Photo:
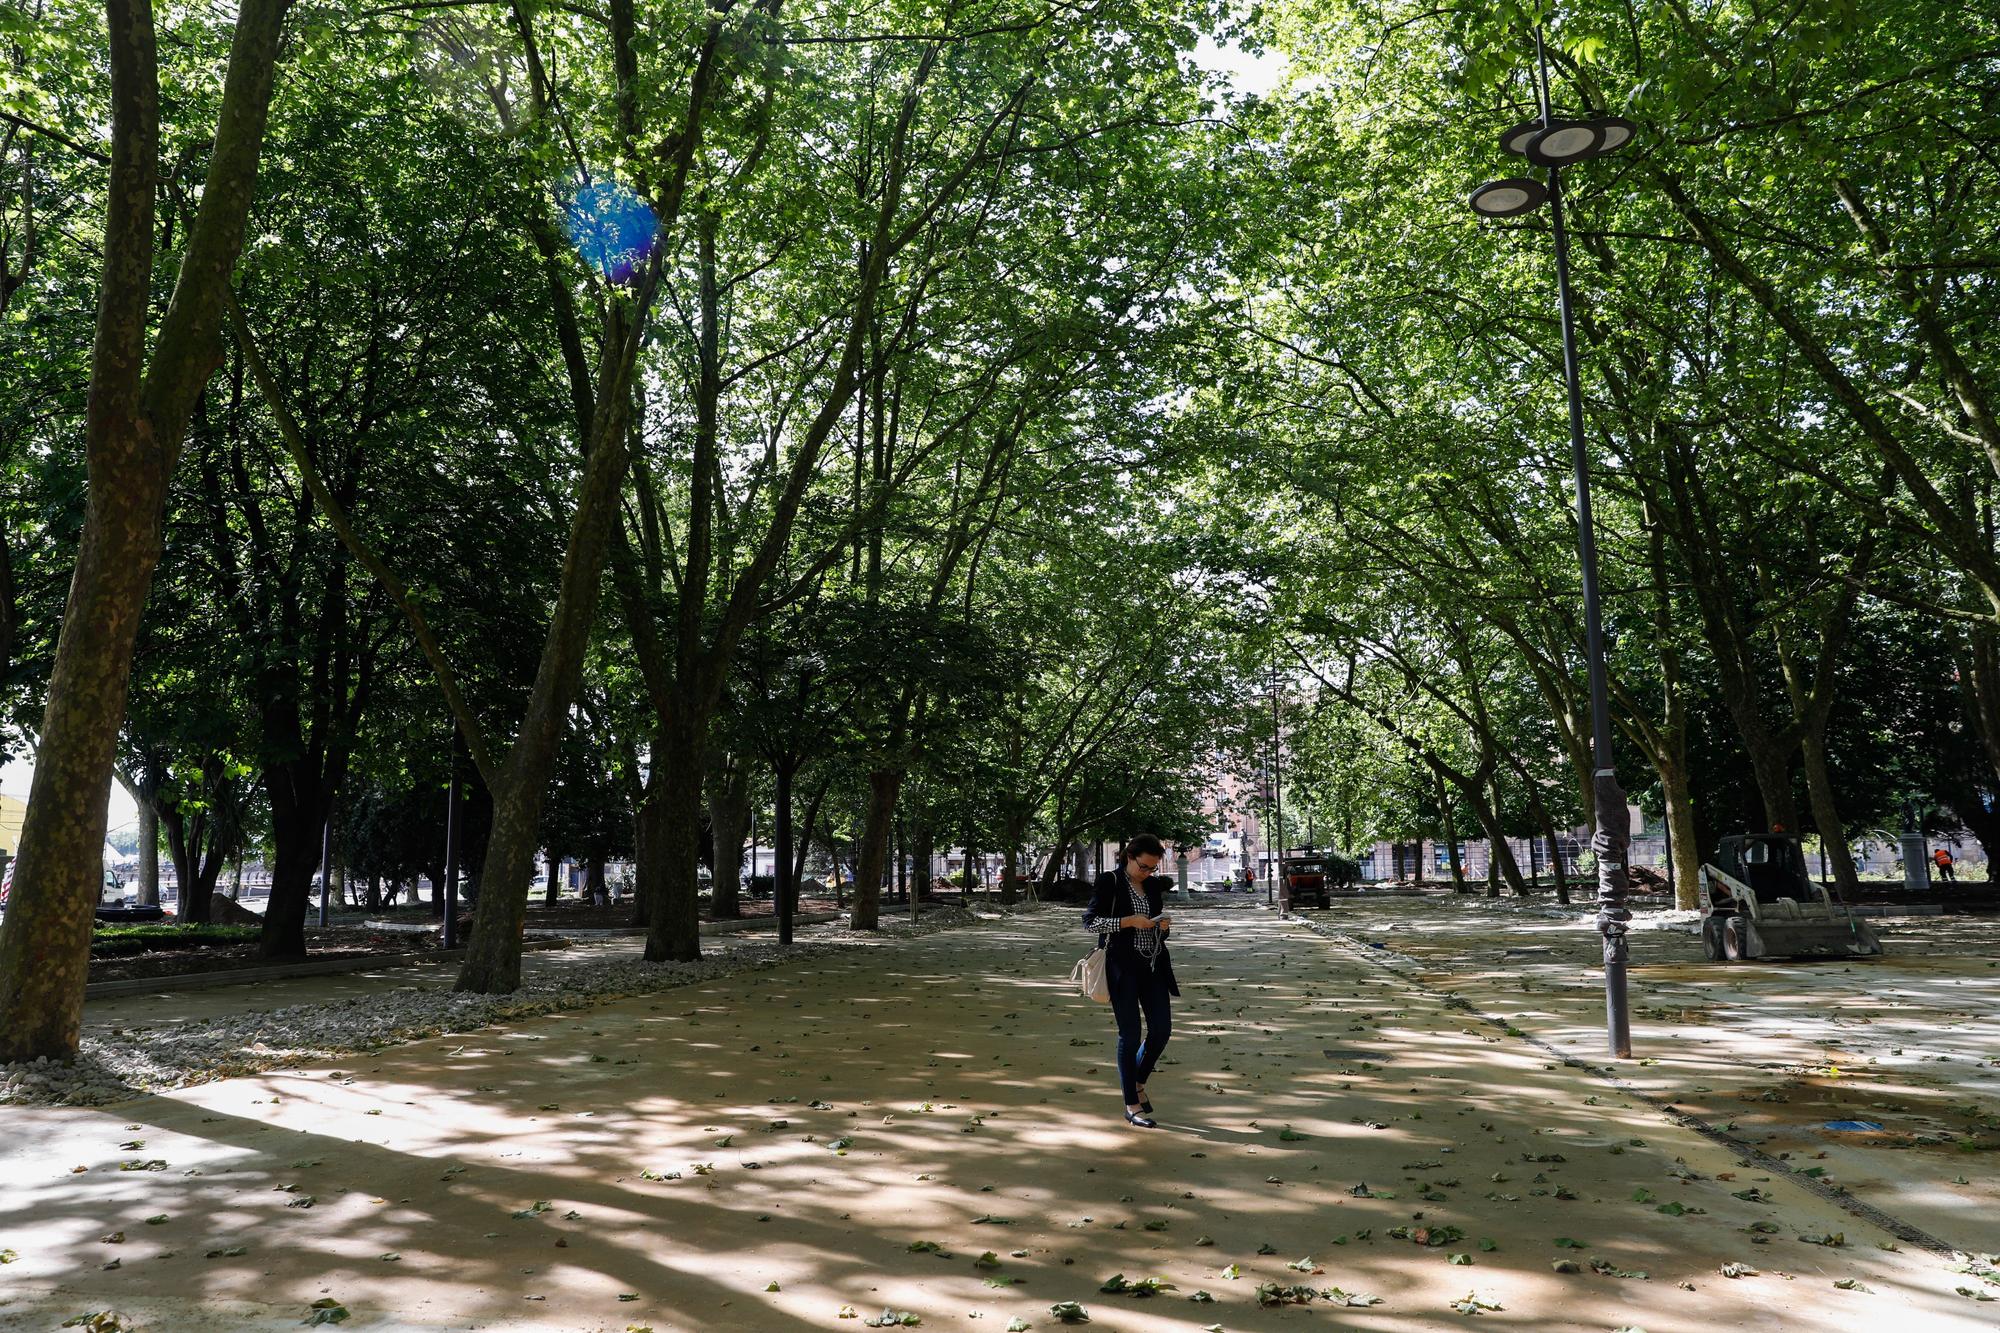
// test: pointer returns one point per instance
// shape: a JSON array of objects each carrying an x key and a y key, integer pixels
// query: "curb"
[
  {"x": 708, "y": 927},
  {"x": 98, "y": 990}
]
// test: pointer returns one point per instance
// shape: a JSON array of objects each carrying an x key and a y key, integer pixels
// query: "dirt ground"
[{"x": 932, "y": 1126}]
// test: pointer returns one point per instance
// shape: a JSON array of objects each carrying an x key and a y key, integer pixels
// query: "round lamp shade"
[
  {"x": 1515, "y": 140},
  {"x": 1564, "y": 142},
  {"x": 1616, "y": 132},
  {"x": 1509, "y": 198}
]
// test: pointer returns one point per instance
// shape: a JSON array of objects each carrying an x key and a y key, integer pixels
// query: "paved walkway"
[
  {"x": 763, "y": 1151},
  {"x": 1774, "y": 1051}
]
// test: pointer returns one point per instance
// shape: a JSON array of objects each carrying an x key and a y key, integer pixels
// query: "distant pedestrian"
[
  {"x": 1127, "y": 911},
  {"x": 1942, "y": 856}
]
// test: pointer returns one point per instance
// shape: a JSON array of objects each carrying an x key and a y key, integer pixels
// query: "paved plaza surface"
[
  {"x": 1771, "y": 1052},
  {"x": 931, "y": 1126}
]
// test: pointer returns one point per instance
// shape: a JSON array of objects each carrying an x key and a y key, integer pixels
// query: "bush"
[{"x": 116, "y": 941}]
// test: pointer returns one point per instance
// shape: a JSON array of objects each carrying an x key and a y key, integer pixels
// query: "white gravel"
[{"x": 115, "y": 1064}]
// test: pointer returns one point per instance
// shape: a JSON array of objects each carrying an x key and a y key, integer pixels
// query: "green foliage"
[{"x": 112, "y": 941}]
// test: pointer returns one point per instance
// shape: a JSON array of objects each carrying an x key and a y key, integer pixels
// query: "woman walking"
[{"x": 1127, "y": 912}]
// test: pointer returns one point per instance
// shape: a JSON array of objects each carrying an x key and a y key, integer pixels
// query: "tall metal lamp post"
[{"x": 1556, "y": 143}]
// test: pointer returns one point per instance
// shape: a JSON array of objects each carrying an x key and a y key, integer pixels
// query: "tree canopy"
[{"x": 950, "y": 425}]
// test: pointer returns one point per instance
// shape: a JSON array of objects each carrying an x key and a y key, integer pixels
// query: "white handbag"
[{"x": 1088, "y": 976}]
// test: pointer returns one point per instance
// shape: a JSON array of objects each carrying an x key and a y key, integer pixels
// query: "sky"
[
  {"x": 1248, "y": 73},
  {"x": 19, "y": 773}
]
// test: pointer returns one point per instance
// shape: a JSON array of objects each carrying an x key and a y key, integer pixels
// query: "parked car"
[{"x": 113, "y": 903}]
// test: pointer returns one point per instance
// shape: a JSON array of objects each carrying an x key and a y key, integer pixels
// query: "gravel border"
[{"x": 128, "y": 1062}]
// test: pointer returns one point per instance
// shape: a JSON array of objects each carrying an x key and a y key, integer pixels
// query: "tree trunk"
[
  {"x": 1681, "y": 833},
  {"x": 1458, "y": 884},
  {"x": 149, "y": 854},
  {"x": 194, "y": 845},
  {"x": 552, "y": 893},
  {"x": 902, "y": 857},
  {"x": 883, "y": 787},
  {"x": 1826, "y": 816},
  {"x": 648, "y": 854},
  {"x": 675, "y": 933},
  {"x": 135, "y": 420},
  {"x": 784, "y": 879},
  {"x": 593, "y": 878},
  {"x": 1503, "y": 855},
  {"x": 1547, "y": 824},
  {"x": 1771, "y": 765},
  {"x": 1010, "y": 869},
  {"x": 920, "y": 874},
  {"x": 729, "y": 824},
  {"x": 785, "y": 867},
  {"x": 298, "y": 819},
  {"x": 493, "y": 955}
]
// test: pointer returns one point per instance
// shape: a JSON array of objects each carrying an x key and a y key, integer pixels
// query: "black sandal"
[{"x": 1140, "y": 1120}]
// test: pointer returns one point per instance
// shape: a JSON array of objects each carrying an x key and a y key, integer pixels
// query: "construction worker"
[{"x": 1942, "y": 856}]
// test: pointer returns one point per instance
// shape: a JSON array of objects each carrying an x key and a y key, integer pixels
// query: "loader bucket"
[{"x": 1805, "y": 937}]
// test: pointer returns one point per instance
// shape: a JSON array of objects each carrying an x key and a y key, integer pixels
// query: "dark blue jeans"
[{"x": 1136, "y": 989}]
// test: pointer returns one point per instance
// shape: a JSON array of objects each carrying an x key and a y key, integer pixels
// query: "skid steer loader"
[{"x": 1759, "y": 902}]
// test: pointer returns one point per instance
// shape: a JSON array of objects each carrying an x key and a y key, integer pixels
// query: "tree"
[{"x": 137, "y": 418}]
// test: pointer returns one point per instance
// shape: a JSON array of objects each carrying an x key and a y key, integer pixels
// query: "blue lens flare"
[{"x": 611, "y": 228}]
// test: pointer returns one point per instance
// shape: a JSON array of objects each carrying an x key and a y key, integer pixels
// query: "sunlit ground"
[{"x": 931, "y": 1126}]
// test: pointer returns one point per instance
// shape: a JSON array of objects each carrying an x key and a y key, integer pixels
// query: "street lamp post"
[
  {"x": 1554, "y": 144},
  {"x": 1277, "y": 787}
]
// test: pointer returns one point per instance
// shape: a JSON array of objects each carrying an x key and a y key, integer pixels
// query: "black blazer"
[{"x": 1108, "y": 899}]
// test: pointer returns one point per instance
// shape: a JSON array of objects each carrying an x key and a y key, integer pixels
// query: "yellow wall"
[{"x": 12, "y": 812}]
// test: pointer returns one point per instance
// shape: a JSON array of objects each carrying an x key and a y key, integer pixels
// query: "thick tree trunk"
[
  {"x": 1826, "y": 815},
  {"x": 1503, "y": 855},
  {"x": 135, "y": 420},
  {"x": 593, "y": 879},
  {"x": 1682, "y": 834},
  {"x": 883, "y": 788},
  {"x": 298, "y": 819},
  {"x": 1979, "y": 685},
  {"x": 45, "y": 936},
  {"x": 493, "y": 955},
  {"x": 552, "y": 892},
  {"x": 675, "y": 932},
  {"x": 1771, "y": 765}
]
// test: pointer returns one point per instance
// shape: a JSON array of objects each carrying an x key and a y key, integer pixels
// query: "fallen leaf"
[{"x": 325, "y": 1310}]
